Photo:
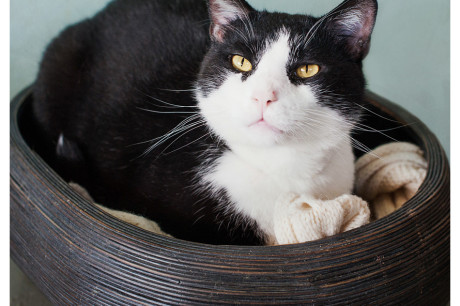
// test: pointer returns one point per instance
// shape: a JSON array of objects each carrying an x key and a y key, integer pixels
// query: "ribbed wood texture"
[{"x": 77, "y": 254}]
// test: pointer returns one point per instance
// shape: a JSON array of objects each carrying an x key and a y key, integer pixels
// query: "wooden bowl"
[{"x": 77, "y": 254}]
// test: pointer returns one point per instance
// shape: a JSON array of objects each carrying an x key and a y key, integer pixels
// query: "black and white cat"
[{"x": 200, "y": 115}]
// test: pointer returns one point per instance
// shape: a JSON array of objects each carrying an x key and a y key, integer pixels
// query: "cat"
[{"x": 200, "y": 114}]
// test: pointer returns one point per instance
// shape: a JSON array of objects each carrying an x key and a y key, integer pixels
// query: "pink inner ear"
[
  {"x": 223, "y": 12},
  {"x": 218, "y": 33}
]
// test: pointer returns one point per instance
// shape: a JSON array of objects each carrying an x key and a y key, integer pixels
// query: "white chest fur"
[{"x": 254, "y": 178}]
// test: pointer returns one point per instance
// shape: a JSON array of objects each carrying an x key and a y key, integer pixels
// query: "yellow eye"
[
  {"x": 307, "y": 71},
  {"x": 241, "y": 64}
]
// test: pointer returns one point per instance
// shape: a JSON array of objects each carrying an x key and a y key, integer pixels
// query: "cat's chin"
[{"x": 262, "y": 133}]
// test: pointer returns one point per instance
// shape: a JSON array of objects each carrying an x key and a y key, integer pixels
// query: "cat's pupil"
[{"x": 242, "y": 62}]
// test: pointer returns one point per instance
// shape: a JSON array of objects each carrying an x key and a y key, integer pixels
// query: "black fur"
[{"x": 102, "y": 83}]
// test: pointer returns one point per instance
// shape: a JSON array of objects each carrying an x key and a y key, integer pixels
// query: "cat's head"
[{"x": 273, "y": 78}]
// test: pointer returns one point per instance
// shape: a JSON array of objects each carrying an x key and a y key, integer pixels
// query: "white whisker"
[
  {"x": 198, "y": 139},
  {"x": 182, "y": 135},
  {"x": 176, "y": 90},
  {"x": 174, "y": 130},
  {"x": 166, "y": 137},
  {"x": 374, "y": 113},
  {"x": 160, "y": 112},
  {"x": 166, "y": 103}
]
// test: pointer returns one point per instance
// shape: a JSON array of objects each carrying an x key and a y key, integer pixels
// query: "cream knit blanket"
[
  {"x": 389, "y": 176},
  {"x": 386, "y": 177}
]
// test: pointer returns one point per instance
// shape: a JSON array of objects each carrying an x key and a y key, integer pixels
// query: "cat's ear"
[
  {"x": 223, "y": 12},
  {"x": 352, "y": 22}
]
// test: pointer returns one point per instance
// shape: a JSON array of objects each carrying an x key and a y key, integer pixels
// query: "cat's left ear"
[
  {"x": 223, "y": 12},
  {"x": 352, "y": 22}
]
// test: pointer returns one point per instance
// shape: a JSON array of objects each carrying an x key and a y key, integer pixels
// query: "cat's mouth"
[{"x": 263, "y": 124}]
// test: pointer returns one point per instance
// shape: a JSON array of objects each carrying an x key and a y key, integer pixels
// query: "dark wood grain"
[{"x": 77, "y": 254}]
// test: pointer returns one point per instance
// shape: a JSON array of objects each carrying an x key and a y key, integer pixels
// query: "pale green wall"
[
  {"x": 408, "y": 64},
  {"x": 33, "y": 24}
]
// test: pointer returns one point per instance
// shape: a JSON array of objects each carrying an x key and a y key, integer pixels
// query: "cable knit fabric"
[
  {"x": 386, "y": 178},
  {"x": 299, "y": 218},
  {"x": 389, "y": 176},
  {"x": 127, "y": 217}
]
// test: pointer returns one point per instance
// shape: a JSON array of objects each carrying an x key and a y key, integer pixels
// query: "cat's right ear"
[{"x": 224, "y": 12}]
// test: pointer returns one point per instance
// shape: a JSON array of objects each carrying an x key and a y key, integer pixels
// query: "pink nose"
[{"x": 265, "y": 97}]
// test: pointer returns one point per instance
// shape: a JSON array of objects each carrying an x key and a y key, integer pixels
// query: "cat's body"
[{"x": 111, "y": 87}]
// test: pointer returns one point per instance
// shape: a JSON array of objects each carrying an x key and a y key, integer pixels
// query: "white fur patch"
[
  {"x": 61, "y": 140},
  {"x": 299, "y": 146}
]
